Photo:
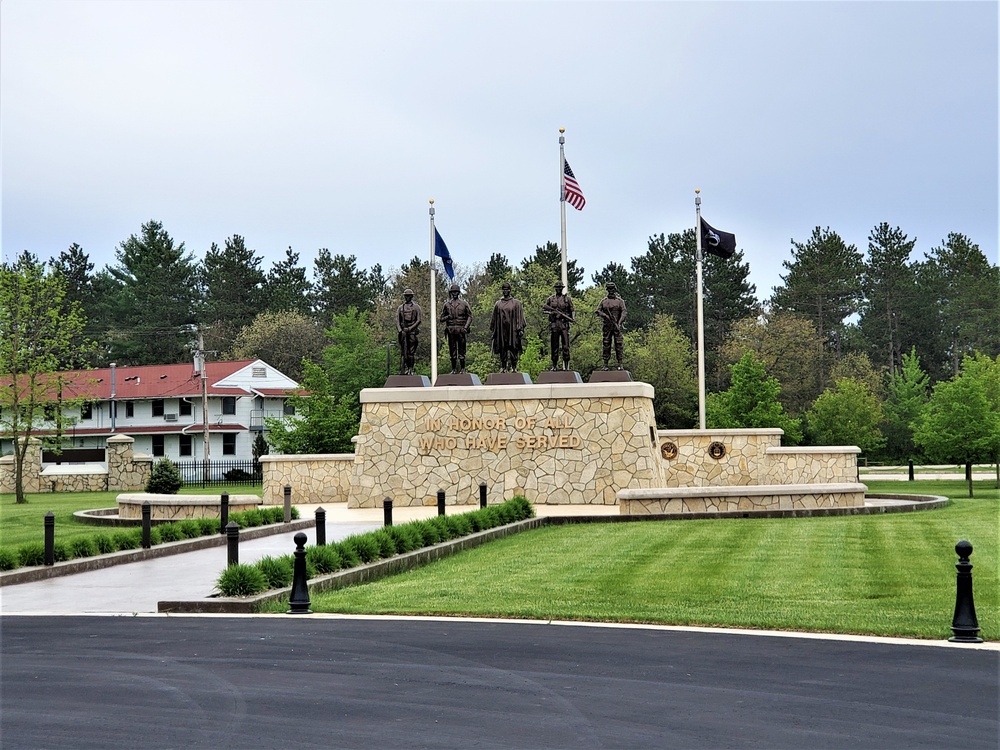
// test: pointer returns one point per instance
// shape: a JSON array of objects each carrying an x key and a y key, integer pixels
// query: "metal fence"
[{"x": 220, "y": 472}]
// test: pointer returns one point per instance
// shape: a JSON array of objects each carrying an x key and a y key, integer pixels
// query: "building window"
[
  {"x": 158, "y": 445},
  {"x": 184, "y": 445},
  {"x": 129, "y": 409},
  {"x": 87, "y": 411},
  {"x": 229, "y": 444},
  {"x": 157, "y": 407},
  {"x": 229, "y": 404},
  {"x": 184, "y": 408},
  {"x": 288, "y": 409}
]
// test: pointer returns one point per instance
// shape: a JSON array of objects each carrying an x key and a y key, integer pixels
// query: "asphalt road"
[{"x": 308, "y": 681}]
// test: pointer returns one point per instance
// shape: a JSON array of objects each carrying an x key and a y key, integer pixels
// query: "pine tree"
[
  {"x": 287, "y": 287},
  {"x": 234, "y": 290},
  {"x": 889, "y": 290}
]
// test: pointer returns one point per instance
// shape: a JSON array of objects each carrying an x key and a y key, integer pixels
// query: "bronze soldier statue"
[
  {"x": 507, "y": 329},
  {"x": 457, "y": 319},
  {"x": 559, "y": 308},
  {"x": 612, "y": 311},
  {"x": 409, "y": 316}
]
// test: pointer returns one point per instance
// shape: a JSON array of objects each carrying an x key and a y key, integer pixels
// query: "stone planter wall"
[{"x": 123, "y": 472}]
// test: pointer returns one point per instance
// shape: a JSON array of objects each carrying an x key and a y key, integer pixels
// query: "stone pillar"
[{"x": 126, "y": 471}]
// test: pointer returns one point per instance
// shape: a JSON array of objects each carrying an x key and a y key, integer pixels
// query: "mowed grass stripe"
[{"x": 890, "y": 574}]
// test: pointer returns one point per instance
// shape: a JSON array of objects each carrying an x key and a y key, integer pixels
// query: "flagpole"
[
  {"x": 433, "y": 310},
  {"x": 701, "y": 314},
  {"x": 562, "y": 206}
]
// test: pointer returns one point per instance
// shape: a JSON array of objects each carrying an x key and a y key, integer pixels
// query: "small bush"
[
  {"x": 348, "y": 555},
  {"x": 250, "y": 518},
  {"x": 460, "y": 525},
  {"x": 105, "y": 544},
  {"x": 154, "y": 536},
  {"x": 208, "y": 526},
  {"x": 190, "y": 528},
  {"x": 525, "y": 509},
  {"x": 444, "y": 529},
  {"x": 477, "y": 519},
  {"x": 386, "y": 543},
  {"x": 364, "y": 545},
  {"x": 170, "y": 532},
  {"x": 8, "y": 559},
  {"x": 274, "y": 514},
  {"x": 276, "y": 570},
  {"x": 325, "y": 559},
  {"x": 428, "y": 531},
  {"x": 402, "y": 538},
  {"x": 237, "y": 475},
  {"x": 82, "y": 546},
  {"x": 127, "y": 539},
  {"x": 31, "y": 553},
  {"x": 241, "y": 580},
  {"x": 165, "y": 478},
  {"x": 61, "y": 552}
]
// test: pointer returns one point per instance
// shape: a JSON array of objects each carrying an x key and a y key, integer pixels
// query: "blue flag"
[{"x": 441, "y": 251}]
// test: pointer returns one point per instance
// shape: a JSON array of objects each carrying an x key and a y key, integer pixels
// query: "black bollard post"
[
  {"x": 911, "y": 469},
  {"x": 440, "y": 502},
  {"x": 387, "y": 512},
  {"x": 320, "y": 527},
  {"x": 482, "y": 494},
  {"x": 233, "y": 543},
  {"x": 50, "y": 538},
  {"x": 146, "y": 524},
  {"x": 223, "y": 512},
  {"x": 299, "y": 598},
  {"x": 964, "y": 624},
  {"x": 288, "y": 503}
]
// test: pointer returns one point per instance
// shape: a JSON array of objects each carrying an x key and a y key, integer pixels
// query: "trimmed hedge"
[
  {"x": 103, "y": 543},
  {"x": 382, "y": 543}
]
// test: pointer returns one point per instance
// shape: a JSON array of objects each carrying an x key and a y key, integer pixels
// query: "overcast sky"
[{"x": 331, "y": 124}]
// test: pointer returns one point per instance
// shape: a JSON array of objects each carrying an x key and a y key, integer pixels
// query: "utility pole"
[{"x": 203, "y": 370}]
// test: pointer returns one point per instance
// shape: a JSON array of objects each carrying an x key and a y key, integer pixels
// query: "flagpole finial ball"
[
  {"x": 562, "y": 130},
  {"x": 432, "y": 201},
  {"x": 696, "y": 191}
]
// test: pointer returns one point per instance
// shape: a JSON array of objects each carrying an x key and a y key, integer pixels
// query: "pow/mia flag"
[{"x": 718, "y": 243}]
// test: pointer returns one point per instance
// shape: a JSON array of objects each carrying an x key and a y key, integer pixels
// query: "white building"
[{"x": 161, "y": 407}]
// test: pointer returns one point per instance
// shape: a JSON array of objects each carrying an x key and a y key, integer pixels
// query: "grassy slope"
[{"x": 888, "y": 574}]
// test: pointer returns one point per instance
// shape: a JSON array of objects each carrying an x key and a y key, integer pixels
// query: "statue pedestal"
[
  {"x": 610, "y": 376},
  {"x": 458, "y": 378},
  {"x": 559, "y": 376},
  {"x": 508, "y": 378},
  {"x": 407, "y": 381}
]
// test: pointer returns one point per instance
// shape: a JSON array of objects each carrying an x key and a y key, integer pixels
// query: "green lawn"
[
  {"x": 891, "y": 574},
  {"x": 26, "y": 522}
]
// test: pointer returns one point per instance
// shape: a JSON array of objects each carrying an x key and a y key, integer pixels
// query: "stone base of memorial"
[
  {"x": 610, "y": 376},
  {"x": 559, "y": 443},
  {"x": 457, "y": 378},
  {"x": 547, "y": 377},
  {"x": 407, "y": 381},
  {"x": 508, "y": 378}
]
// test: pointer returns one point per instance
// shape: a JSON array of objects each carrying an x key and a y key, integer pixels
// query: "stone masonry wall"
[
  {"x": 577, "y": 443},
  {"x": 313, "y": 478}
]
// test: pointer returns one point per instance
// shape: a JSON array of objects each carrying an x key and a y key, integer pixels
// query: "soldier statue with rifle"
[
  {"x": 612, "y": 312},
  {"x": 559, "y": 308}
]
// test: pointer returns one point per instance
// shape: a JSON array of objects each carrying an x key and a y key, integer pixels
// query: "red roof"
[{"x": 154, "y": 381}]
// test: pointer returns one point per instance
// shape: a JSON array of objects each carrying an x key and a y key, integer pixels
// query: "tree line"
[{"x": 839, "y": 316}]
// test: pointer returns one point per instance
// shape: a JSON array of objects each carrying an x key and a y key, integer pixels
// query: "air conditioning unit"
[{"x": 169, "y": 417}]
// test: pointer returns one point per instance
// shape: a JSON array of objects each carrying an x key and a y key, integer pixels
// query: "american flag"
[{"x": 573, "y": 193}]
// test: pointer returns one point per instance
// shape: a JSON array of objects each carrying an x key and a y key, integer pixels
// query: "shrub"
[
  {"x": 127, "y": 539},
  {"x": 249, "y": 518},
  {"x": 241, "y": 580},
  {"x": 8, "y": 559},
  {"x": 170, "y": 532},
  {"x": 386, "y": 543},
  {"x": 427, "y": 531},
  {"x": 440, "y": 523},
  {"x": 165, "y": 478},
  {"x": 190, "y": 529},
  {"x": 273, "y": 514},
  {"x": 154, "y": 536},
  {"x": 61, "y": 552},
  {"x": 208, "y": 526},
  {"x": 31, "y": 553},
  {"x": 277, "y": 571},
  {"x": 237, "y": 475},
  {"x": 325, "y": 559},
  {"x": 364, "y": 546},
  {"x": 348, "y": 555},
  {"x": 477, "y": 519},
  {"x": 402, "y": 538},
  {"x": 105, "y": 544},
  {"x": 82, "y": 546},
  {"x": 460, "y": 525}
]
